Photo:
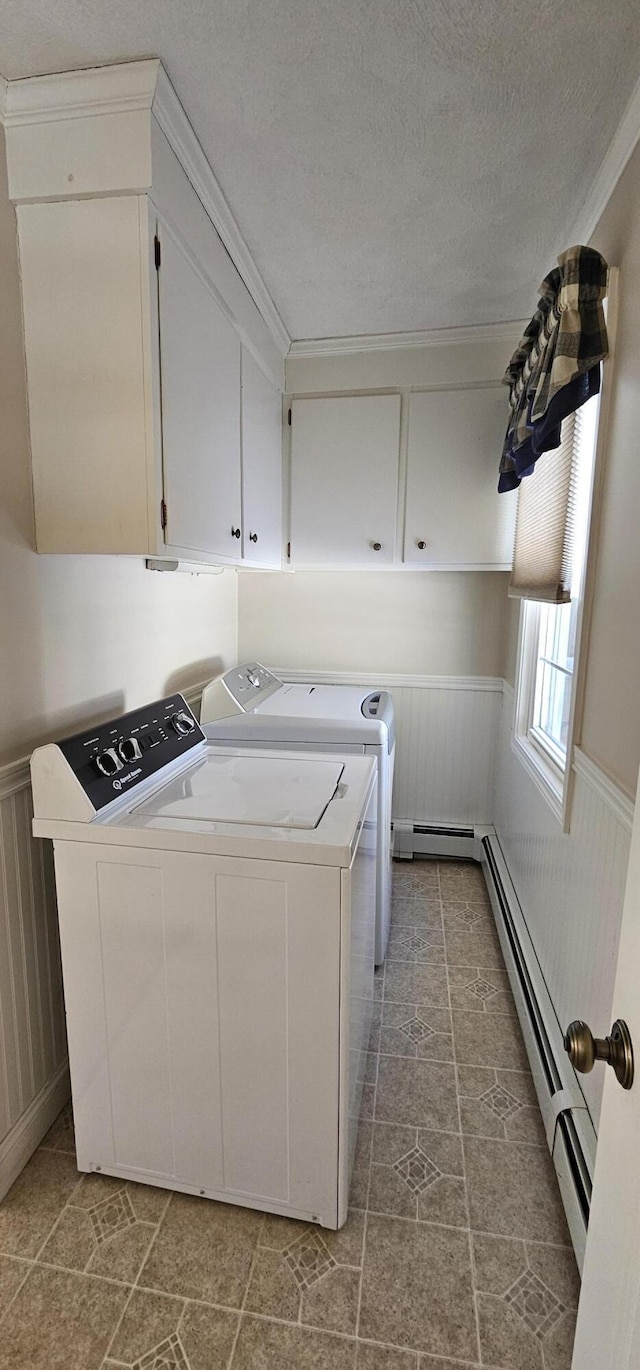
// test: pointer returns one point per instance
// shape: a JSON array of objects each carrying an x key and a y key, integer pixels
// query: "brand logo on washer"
[{"x": 118, "y": 784}]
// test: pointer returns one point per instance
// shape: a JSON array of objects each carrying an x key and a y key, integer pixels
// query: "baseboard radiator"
[
  {"x": 567, "y": 1122},
  {"x": 434, "y": 839}
]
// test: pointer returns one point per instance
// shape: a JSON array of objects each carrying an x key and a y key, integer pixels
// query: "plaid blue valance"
[{"x": 556, "y": 366}]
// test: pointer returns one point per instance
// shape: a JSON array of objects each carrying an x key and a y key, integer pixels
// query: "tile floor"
[{"x": 455, "y": 1253}]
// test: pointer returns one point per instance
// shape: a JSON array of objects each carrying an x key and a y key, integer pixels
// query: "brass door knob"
[{"x": 583, "y": 1050}]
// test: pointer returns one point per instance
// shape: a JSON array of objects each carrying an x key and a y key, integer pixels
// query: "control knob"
[
  {"x": 182, "y": 723},
  {"x": 130, "y": 749},
  {"x": 108, "y": 762}
]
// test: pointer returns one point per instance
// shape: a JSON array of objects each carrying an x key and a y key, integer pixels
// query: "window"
[{"x": 549, "y": 635}]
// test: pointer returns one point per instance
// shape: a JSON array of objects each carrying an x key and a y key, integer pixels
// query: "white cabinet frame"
[
  {"x": 95, "y": 160},
  {"x": 397, "y": 562}
]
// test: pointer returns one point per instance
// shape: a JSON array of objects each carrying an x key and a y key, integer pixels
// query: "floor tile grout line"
[
  {"x": 364, "y": 1247},
  {"x": 245, "y": 1296},
  {"x": 187, "y": 1298},
  {"x": 285, "y": 1322},
  {"x": 56, "y": 1223},
  {"x": 425, "y": 1222},
  {"x": 466, "y": 1190},
  {"x": 368, "y": 1185},
  {"x": 84, "y": 1274},
  {"x": 135, "y": 1284},
  {"x": 29, "y": 1265},
  {"x": 410, "y": 1351}
]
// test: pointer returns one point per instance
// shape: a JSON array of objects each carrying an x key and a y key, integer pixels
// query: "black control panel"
[{"x": 116, "y": 757}]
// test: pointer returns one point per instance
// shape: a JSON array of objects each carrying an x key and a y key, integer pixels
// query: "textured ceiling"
[{"x": 392, "y": 164}]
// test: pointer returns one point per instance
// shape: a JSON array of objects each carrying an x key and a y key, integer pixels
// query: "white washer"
[
  {"x": 250, "y": 705},
  {"x": 217, "y": 912}
]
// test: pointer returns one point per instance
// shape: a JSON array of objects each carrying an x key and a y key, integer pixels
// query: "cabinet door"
[
  {"x": 82, "y": 265},
  {"x": 200, "y": 374},
  {"x": 344, "y": 480},
  {"x": 261, "y": 466},
  {"x": 455, "y": 440}
]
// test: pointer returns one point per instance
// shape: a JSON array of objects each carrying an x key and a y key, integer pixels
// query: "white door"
[
  {"x": 261, "y": 466},
  {"x": 454, "y": 515},
  {"x": 344, "y": 480},
  {"x": 200, "y": 376},
  {"x": 608, "y": 1331}
]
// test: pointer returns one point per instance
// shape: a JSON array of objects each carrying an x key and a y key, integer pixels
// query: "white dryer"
[
  {"x": 217, "y": 910},
  {"x": 249, "y": 705}
]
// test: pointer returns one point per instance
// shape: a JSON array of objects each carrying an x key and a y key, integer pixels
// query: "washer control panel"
[
  {"x": 238, "y": 692},
  {"x": 250, "y": 684},
  {"x": 117, "y": 756}
]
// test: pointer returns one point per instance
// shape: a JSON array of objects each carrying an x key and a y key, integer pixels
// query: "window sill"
[{"x": 544, "y": 776}]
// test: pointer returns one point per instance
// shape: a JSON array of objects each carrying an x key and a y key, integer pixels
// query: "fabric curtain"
[{"x": 556, "y": 367}]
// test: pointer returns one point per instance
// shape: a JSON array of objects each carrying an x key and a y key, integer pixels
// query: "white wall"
[
  {"x": 611, "y": 721},
  {"x": 419, "y": 623},
  {"x": 570, "y": 885},
  {"x": 83, "y": 637}
]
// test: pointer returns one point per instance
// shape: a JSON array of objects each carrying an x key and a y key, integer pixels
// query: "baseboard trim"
[{"x": 25, "y": 1135}]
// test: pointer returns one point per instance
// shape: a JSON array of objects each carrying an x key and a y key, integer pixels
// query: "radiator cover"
[{"x": 569, "y": 1129}]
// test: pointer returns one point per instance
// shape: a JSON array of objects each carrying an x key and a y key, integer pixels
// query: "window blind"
[{"x": 546, "y": 523}]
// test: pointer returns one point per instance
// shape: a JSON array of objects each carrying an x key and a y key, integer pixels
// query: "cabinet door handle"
[
  {"x": 253, "y": 537},
  {"x": 422, "y": 545},
  {"x": 377, "y": 546},
  {"x": 235, "y": 532}
]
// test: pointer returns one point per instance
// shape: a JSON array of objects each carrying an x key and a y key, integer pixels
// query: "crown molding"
[
  {"x": 118, "y": 89},
  {"x": 509, "y": 331},
  {"x": 182, "y": 138},
  {"x": 619, "y": 151}
]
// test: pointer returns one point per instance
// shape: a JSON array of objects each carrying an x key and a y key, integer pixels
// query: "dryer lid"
[{"x": 274, "y": 792}]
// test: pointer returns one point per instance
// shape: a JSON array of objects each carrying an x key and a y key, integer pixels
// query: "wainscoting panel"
[
  {"x": 446, "y": 741},
  {"x": 570, "y": 885},
  {"x": 32, "y": 1024}
]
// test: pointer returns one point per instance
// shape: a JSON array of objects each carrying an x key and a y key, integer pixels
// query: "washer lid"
[
  {"x": 338, "y": 702},
  {"x": 275, "y": 792}
]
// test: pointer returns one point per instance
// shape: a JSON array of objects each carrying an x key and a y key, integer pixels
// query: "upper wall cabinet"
[
  {"x": 455, "y": 518},
  {"x": 261, "y": 466},
  {"x": 348, "y": 462},
  {"x": 200, "y": 374},
  {"x": 344, "y": 480},
  {"x": 138, "y": 329}
]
